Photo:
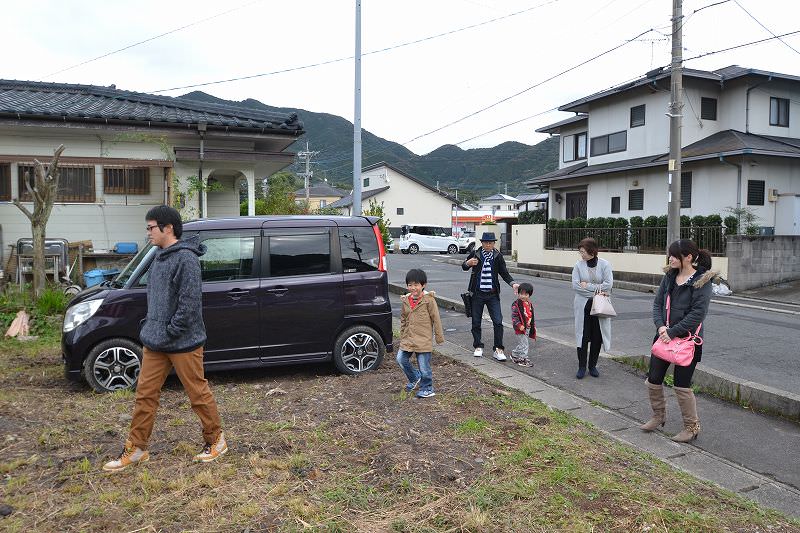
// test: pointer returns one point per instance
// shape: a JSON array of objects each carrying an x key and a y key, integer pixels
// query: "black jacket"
[
  {"x": 498, "y": 268},
  {"x": 688, "y": 302}
]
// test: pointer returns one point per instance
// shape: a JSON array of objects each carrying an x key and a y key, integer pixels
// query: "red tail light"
[{"x": 381, "y": 250}]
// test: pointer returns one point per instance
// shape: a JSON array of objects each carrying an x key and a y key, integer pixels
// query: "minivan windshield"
[{"x": 122, "y": 278}]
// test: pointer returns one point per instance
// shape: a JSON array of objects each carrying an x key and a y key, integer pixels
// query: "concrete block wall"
[{"x": 756, "y": 261}]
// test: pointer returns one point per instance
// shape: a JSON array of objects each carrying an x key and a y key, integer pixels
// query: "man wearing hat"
[{"x": 487, "y": 266}]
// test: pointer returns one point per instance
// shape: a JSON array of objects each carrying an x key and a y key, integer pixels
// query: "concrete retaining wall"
[{"x": 759, "y": 261}]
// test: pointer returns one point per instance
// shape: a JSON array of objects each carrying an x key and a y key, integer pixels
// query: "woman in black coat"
[{"x": 687, "y": 283}]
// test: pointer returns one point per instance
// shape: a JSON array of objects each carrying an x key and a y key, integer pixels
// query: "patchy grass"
[{"x": 334, "y": 453}]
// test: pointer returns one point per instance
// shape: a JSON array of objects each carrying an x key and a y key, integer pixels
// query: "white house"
[
  {"x": 498, "y": 202},
  {"x": 740, "y": 139},
  {"x": 406, "y": 199},
  {"x": 126, "y": 152}
]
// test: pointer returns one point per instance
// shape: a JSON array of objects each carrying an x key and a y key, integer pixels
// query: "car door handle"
[
  {"x": 278, "y": 291},
  {"x": 235, "y": 293}
]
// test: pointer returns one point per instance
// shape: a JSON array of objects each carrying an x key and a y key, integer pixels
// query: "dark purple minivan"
[{"x": 276, "y": 290}]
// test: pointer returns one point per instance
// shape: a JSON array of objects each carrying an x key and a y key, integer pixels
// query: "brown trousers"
[{"x": 155, "y": 368}]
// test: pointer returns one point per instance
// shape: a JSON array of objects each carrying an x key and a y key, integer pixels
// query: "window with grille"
[
  {"x": 126, "y": 180},
  {"x": 686, "y": 189},
  {"x": 708, "y": 108},
  {"x": 779, "y": 112},
  {"x": 635, "y": 199},
  {"x": 5, "y": 183},
  {"x": 76, "y": 184},
  {"x": 614, "y": 204},
  {"x": 637, "y": 116},
  {"x": 755, "y": 192},
  {"x": 401, "y": 210}
]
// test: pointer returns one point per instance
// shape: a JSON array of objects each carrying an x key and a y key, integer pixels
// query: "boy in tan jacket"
[{"x": 419, "y": 320}]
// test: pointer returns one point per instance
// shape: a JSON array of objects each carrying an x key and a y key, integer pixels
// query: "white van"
[{"x": 415, "y": 238}]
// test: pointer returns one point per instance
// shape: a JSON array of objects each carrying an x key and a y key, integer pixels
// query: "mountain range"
[{"x": 479, "y": 170}]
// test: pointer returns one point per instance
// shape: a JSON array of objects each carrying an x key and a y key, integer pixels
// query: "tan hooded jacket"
[{"x": 418, "y": 326}]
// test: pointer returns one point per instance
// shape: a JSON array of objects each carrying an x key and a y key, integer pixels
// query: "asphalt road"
[{"x": 751, "y": 344}]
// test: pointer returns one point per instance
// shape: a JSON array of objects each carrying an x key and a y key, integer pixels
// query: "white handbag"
[{"x": 601, "y": 306}]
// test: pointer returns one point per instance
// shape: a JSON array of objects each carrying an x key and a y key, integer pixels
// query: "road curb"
[
  {"x": 624, "y": 429},
  {"x": 742, "y": 392}
]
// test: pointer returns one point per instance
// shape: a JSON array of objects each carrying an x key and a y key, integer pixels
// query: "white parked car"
[
  {"x": 466, "y": 242},
  {"x": 415, "y": 238}
]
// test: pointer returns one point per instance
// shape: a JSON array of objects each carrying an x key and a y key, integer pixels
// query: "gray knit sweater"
[{"x": 174, "y": 320}]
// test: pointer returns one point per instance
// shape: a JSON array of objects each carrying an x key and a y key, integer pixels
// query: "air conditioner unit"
[{"x": 772, "y": 195}]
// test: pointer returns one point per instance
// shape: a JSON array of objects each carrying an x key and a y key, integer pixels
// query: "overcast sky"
[{"x": 407, "y": 91}]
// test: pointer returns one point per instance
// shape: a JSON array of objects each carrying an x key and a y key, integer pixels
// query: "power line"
[
  {"x": 743, "y": 45},
  {"x": 507, "y": 98},
  {"x": 381, "y": 50},
  {"x": 150, "y": 39},
  {"x": 769, "y": 30}
]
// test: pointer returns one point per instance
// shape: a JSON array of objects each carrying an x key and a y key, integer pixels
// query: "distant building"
[{"x": 319, "y": 196}]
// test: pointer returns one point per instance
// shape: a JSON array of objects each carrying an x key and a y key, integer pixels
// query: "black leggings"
[
  {"x": 682, "y": 375},
  {"x": 592, "y": 336}
]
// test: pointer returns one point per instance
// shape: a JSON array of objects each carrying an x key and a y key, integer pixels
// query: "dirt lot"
[{"x": 316, "y": 451}]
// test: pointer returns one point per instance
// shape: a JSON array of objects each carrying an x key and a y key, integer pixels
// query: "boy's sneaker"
[
  {"x": 521, "y": 361},
  {"x": 425, "y": 393},
  {"x": 212, "y": 451},
  {"x": 130, "y": 455},
  {"x": 411, "y": 386},
  {"x": 478, "y": 352},
  {"x": 499, "y": 355}
]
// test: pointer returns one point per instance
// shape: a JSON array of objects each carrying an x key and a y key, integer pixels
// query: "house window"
[
  {"x": 779, "y": 112},
  {"x": 637, "y": 116},
  {"x": 614, "y": 204},
  {"x": 75, "y": 185},
  {"x": 708, "y": 108},
  {"x": 607, "y": 144},
  {"x": 323, "y": 202},
  {"x": 5, "y": 183},
  {"x": 366, "y": 182},
  {"x": 401, "y": 211},
  {"x": 686, "y": 189},
  {"x": 126, "y": 180},
  {"x": 635, "y": 199},
  {"x": 755, "y": 192},
  {"x": 574, "y": 147}
]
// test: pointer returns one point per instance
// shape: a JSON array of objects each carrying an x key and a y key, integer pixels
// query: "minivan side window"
[
  {"x": 299, "y": 254},
  {"x": 227, "y": 258},
  {"x": 359, "y": 249}
]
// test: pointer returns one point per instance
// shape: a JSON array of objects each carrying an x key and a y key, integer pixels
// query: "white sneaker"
[
  {"x": 478, "y": 352},
  {"x": 499, "y": 355}
]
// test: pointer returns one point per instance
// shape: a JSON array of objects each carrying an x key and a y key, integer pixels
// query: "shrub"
[
  {"x": 698, "y": 221},
  {"x": 713, "y": 220},
  {"x": 685, "y": 221},
  {"x": 620, "y": 222},
  {"x": 552, "y": 223},
  {"x": 651, "y": 222},
  {"x": 591, "y": 222},
  {"x": 579, "y": 222},
  {"x": 52, "y": 301},
  {"x": 731, "y": 225},
  {"x": 637, "y": 222},
  {"x": 561, "y": 224}
]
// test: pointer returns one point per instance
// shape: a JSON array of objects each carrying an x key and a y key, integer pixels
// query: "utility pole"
[
  {"x": 357, "y": 119},
  {"x": 675, "y": 116},
  {"x": 307, "y": 155}
]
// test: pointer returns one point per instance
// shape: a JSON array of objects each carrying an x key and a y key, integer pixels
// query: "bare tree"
[{"x": 43, "y": 193}]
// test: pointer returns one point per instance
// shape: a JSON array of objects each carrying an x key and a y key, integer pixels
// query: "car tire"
[
  {"x": 452, "y": 249},
  {"x": 113, "y": 365},
  {"x": 358, "y": 349},
  {"x": 413, "y": 249}
]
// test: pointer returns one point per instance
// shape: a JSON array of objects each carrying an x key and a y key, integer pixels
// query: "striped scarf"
[{"x": 486, "y": 271}]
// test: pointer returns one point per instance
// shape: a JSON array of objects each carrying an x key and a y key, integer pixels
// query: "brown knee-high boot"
[
  {"x": 659, "y": 405},
  {"x": 691, "y": 423}
]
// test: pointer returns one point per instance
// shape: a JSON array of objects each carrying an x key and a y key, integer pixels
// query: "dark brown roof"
[
  {"x": 89, "y": 103},
  {"x": 319, "y": 191},
  {"x": 553, "y": 128}
]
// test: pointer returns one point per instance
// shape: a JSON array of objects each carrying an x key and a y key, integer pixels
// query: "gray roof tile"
[{"x": 87, "y": 102}]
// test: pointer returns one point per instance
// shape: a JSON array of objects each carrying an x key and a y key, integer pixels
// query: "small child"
[
  {"x": 419, "y": 320},
  {"x": 522, "y": 319}
]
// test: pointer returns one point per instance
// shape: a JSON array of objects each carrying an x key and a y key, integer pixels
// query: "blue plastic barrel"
[{"x": 93, "y": 277}]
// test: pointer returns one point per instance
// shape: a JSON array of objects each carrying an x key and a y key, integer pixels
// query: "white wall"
[{"x": 529, "y": 245}]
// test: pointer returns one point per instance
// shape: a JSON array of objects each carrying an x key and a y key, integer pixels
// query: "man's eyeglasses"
[{"x": 151, "y": 227}]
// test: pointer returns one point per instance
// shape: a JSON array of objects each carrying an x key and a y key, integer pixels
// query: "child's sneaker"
[
  {"x": 524, "y": 361},
  {"x": 212, "y": 451},
  {"x": 130, "y": 455},
  {"x": 411, "y": 386},
  {"x": 478, "y": 352},
  {"x": 425, "y": 393},
  {"x": 499, "y": 355}
]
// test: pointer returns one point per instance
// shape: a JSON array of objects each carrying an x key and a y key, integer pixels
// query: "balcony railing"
[{"x": 635, "y": 240}]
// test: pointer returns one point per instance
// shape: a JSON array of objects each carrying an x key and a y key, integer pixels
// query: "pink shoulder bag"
[{"x": 679, "y": 350}]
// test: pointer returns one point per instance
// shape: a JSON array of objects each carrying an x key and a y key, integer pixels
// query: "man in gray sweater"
[{"x": 173, "y": 335}]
